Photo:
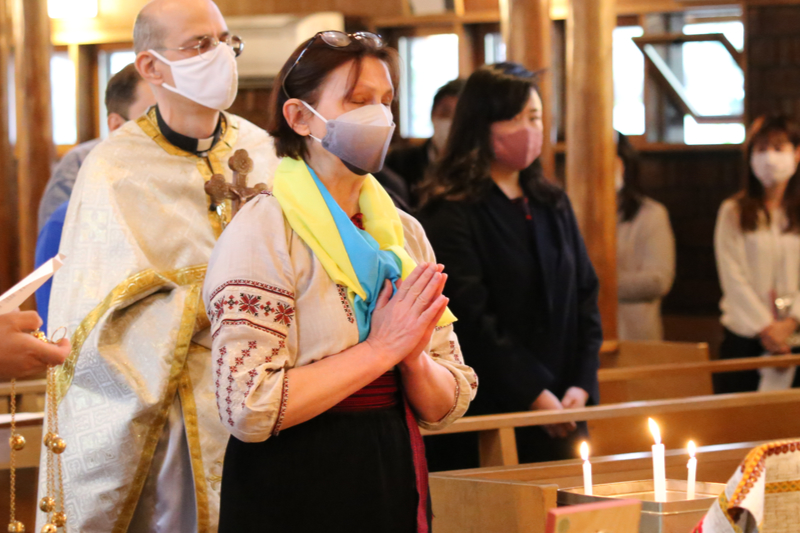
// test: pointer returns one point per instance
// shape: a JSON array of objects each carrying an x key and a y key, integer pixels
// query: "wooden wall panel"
[
  {"x": 773, "y": 60},
  {"x": 692, "y": 185}
]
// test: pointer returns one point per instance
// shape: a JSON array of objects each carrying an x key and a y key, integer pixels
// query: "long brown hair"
[
  {"x": 491, "y": 94},
  {"x": 629, "y": 198},
  {"x": 751, "y": 197},
  {"x": 307, "y": 77}
]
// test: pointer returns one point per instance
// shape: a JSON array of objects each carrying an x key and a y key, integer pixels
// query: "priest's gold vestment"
[{"x": 137, "y": 237}]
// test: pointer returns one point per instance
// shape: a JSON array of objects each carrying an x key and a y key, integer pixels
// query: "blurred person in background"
[
  {"x": 757, "y": 245},
  {"x": 413, "y": 162},
  {"x": 645, "y": 252}
]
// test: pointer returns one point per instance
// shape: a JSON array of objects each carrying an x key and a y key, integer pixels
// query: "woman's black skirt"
[{"x": 339, "y": 472}]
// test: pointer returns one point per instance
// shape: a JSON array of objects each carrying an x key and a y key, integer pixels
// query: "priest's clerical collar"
[{"x": 199, "y": 147}]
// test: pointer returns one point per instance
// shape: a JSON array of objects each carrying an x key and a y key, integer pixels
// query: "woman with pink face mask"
[
  {"x": 520, "y": 280},
  {"x": 757, "y": 245}
]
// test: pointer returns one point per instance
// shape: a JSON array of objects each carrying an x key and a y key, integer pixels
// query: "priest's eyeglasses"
[
  {"x": 336, "y": 39},
  {"x": 207, "y": 43}
]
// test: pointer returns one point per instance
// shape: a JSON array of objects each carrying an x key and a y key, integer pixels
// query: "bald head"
[{"x": 167, "y": 23}]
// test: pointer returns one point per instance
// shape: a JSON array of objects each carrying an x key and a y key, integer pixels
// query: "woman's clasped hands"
[{"x": 403, "y": 323}]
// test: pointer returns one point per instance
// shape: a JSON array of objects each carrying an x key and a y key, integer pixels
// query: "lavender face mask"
[{"x": 360, "y": 138}]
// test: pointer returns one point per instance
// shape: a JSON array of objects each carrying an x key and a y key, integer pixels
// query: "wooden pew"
[
  {"x": 30, "y": 396},
  {"x": 630, "y": 355},
  {"x": 514, "y": 499},
  {"x": 622, "y": 428}
]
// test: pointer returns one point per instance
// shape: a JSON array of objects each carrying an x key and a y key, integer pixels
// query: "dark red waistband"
[{"x": 382, "y": 393}]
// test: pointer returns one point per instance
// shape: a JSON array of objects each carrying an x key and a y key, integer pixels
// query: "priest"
[{"x": 136, "y": 395}]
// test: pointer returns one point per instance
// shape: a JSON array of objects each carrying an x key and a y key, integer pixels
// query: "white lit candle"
[
  {"x": 692, "y": 466},
  {"x": 587, "y": 469},
  {"x": 659, "y": 470}
]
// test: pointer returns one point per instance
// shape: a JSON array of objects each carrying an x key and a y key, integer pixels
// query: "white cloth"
[
  {"x": 168, "y": 503},
  {"x": 645, "y": 270},
  {"x": 273, "y": 307},
  {"x": 762, "y": 496},
  {"x": 754, "y": 268}
]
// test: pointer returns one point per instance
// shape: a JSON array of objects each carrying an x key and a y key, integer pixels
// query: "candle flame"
[
  {"x": 654, "y": 430},
  {"x": 692, "y": 448},
  {"x": 585, "y": 451}
]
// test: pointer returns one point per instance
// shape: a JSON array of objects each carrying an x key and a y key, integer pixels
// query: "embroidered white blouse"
[
  {"x": 754, "y": 268},
  {"x": 273, "y": 307}
]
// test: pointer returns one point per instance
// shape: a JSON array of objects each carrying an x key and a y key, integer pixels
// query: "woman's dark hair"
[
  {"x": 306, "y": 78},
  {"x": 751, "y": 198},
  {"x": 493, "y": 93},
  {"x": 629, "y": 199}
]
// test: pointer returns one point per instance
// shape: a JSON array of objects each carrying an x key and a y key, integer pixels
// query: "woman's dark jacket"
[{"x": 525, "y": 294}]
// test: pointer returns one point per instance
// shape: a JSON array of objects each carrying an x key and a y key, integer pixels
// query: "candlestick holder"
[{"x": 677, "y": 515}]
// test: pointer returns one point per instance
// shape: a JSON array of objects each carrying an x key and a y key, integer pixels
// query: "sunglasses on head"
[{"x": 335, "y": 39}]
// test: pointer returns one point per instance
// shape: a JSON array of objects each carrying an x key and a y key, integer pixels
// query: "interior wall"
[{"x": 773, "y": 60}]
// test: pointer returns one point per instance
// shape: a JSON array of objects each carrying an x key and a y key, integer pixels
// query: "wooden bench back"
[{"x": 640, "y": 354}]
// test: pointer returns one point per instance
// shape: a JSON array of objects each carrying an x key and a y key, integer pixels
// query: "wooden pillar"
[
  {"x": 35, "y": 149},
  {"x": 9, "y": 243},
  {"x": 526, "y": 28},
  {"x": 84, "y": 57},
  {"x": 590, "y": 142}
]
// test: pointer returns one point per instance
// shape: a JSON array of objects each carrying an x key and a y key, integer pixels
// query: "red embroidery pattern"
[
  {"x": 249, "y": 304},
  {"x": 252, "y": 345},
  {"x": 254, "y": 284},
  {"x": 237, "y": 362},
  {"x": 222, "y": 352},
  {"x": 284, "y": 314},
  {"x": 454, "y": 353},
  {"x": 245, "y": 322},
  {"x": 276, "y": 351},
  {"x": 346, "y": 303},
  {"x": 217, "y": 310},
  {"x": 282, "y": 411}
]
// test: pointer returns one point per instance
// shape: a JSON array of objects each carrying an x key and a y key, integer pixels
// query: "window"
[
  {"x": 109, "y": 64},
  {"x": 714, "y": 83},
  {"x": 494, "y": 48},
  {"x": 629, "y": 116},
  {"x": 64, "y": 99},
  {"x": 428, "y": 63}
]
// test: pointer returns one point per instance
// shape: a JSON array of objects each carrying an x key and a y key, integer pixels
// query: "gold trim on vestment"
[
  {"x": 220, "y": 217},
  {"x": 133, "y": 287},
  {"x": 723, "y": 503},
  {"x": 176, "y": 372},
  {"x": 189, "y": 409}
]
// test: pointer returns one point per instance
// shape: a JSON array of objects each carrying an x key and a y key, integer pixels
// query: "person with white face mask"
[
  {"x": 137, "y": 412},
  {"x": 414, "y": 162},
  {"x": 645, "y": 252},
  {"x": 332, "y": 341},
  {"x": 757, "y": 245}
]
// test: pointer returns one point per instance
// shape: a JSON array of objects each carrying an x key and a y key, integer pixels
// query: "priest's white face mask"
[
  {"x": 210, "y": 79},
  {"x": 360, "y": 138}
]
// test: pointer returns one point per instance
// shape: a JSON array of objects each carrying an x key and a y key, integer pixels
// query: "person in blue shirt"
[{"x": 127, "y": 97}]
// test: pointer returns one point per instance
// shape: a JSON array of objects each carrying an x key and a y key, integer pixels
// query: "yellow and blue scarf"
[{"x": 358, "y": 259}]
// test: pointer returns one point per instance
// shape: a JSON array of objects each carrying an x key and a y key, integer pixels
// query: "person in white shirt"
[
  {"x": 645, "y": 253},
  {"x": 757, "y": 245}
]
